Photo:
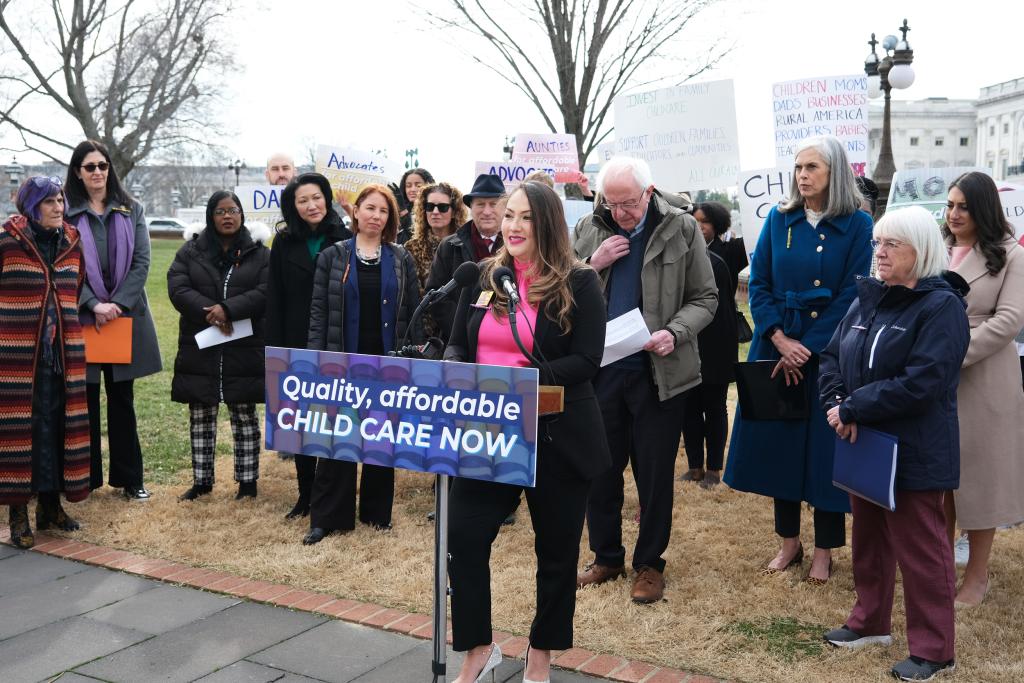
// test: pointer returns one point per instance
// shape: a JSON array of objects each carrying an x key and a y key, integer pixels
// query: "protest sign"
[
  {"x": 348, "y": 170},
  {"x": 1012, "y": 198},
  {"x": 687, "y": 134},
  {"x": 549, "y": 150},
  {"x": 459, "y": 419},
  {"x": 828, "y": 105},
  {"x": 604, "y": 152},
  {"x": 759, "y": 191},
  {"x": 511, "y": 172},
  {"x": 575, "y": 209},
  {"x": 925, "y": 187},
  {"x": 261, "y": 203}
]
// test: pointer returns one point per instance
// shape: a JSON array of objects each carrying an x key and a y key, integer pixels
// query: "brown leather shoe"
[
  {"x": 595, "y": 574},
  {"x": 694, "y": 474},
  {"x": 648, "y": 586}
]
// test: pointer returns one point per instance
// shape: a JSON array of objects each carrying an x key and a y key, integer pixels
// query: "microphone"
[
  {"x": 465, "y": 275},
  {"x": 505, "y": 278}
]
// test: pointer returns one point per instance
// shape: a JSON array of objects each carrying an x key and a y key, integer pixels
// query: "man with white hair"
[
  {"x": 280, "y": 169},
  {"x": 650, "y": 256}
]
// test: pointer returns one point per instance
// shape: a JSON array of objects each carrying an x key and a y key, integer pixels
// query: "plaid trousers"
[{"x": 245, "y": 428}]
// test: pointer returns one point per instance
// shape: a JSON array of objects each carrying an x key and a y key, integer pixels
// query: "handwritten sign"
[
  {"x": 759, "y": 191},
  {"x": 460, "y": 419},
  {"x": 687, "y": 134},
  {"x": 604, "y": 152},
  {"x": 1012, "y": 198},
  {"x": 549, "y": 150},
  {"x": 261, "y": 203},
  {"x": 829, "y": 105},
  {"x": 512, "y": 173},
  {"x": 348, "y": 170}
]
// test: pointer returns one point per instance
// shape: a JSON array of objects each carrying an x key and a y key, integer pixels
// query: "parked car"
[{"x": 165, "y": 224}]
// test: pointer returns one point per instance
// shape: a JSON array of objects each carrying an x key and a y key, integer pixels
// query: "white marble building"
[{"x": 1001, "y": 130}]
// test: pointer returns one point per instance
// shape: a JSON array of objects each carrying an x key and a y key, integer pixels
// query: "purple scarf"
[{"x": 120, "y": 249}]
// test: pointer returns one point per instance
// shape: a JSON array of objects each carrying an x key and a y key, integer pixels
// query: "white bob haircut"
[
  {"x": 617, "y": 166},
  {"x": 915, "y": 226}
]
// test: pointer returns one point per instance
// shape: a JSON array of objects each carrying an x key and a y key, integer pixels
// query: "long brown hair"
[
  {"x": 420, "y": 228},
  {"x": 390, "y": 231},
  {"x": 551, "y": 272},
  {"x": 986, "y": 210}
]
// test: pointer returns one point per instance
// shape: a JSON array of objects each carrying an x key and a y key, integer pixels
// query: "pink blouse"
[
  {"x": 957, "y": 256},
  {"x": 495, "y": 345}
]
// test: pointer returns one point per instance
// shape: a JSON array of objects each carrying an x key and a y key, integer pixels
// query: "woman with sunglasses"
[
  {"x": 40, "y": 280},
  {"x": 437, "y": 213},
  {"x": 115, "y": 243}
]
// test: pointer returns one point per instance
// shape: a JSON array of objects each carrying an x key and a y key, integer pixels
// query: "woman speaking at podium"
[{"x": 561, "y": 319}]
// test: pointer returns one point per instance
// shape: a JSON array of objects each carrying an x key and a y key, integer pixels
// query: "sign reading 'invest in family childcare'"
[
  {"x": 687, "y": 134},
  {"x": 460, "y": 419}
]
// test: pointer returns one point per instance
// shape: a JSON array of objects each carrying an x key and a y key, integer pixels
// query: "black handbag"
[{"x": 743, "y": 331}]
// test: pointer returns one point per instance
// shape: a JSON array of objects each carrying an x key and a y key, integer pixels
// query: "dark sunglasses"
[
  {"x": 42, "y": 181},
  {"x": 91, "y": 168},
  {"x": 430, "y": 206}
]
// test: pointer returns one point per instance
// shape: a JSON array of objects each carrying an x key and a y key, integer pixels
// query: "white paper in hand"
[
  {"x": 213, "y": 335},
  {"x": 624, "y": 336}
]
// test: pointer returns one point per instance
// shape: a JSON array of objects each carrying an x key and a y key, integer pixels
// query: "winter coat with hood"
[
  {"x": 893, "y": 364},
  {"x": 202, "y": 275}
]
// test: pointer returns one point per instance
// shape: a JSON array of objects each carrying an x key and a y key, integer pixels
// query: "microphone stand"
[
  {"x": 428, "y": 299},
  {"x": 515, "y": 333}
]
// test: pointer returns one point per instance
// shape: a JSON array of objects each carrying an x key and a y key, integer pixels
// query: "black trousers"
[
  {"x": 305, "y": 471},
  {"x": 476, "y": 510},
  {"x": 333, "y": 502},
  {"x": 48, "y": 403},
  {"x": 829, "y": 527},
  {"x": 122, "y": 433},
  {"x": 706, "y": 420},
  {"x": 636, "y": 424}
]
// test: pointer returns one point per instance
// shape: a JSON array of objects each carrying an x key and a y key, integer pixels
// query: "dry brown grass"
[{"x": 715, "y": 600}]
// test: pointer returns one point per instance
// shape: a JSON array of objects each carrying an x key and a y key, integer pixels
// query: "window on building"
[
  {"x": 914, "y": 141},
  {"x": 991, "y": 130},
  {"x": 939, "y": 142},
  {"x": 964, "y": 142},
  {"x": 1006, "y": 128}
]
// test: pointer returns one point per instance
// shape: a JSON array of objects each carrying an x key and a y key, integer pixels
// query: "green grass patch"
[{"x": 783, "y": 637}]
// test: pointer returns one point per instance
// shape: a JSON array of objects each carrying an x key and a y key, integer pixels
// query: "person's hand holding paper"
[{"x": 624, "y": 336}]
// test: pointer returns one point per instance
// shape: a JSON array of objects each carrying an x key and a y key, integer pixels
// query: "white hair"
[
  {"x": 616, "y": 166},
  {"x": 916, "y": 226}
]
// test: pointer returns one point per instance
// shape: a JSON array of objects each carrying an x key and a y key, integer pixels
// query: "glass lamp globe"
[
  {"x": 901, "y": 76},
  {"x": 874, "y": 86}
]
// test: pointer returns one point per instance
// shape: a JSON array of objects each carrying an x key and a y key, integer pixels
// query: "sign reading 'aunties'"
[
  {"x": 555, "y": 151},
  {"x": 829, "y": 105}
]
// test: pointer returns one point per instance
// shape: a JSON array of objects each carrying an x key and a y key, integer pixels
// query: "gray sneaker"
[
  {"x": 916, "y": 669},
  {"x": 847, "y": 637}
]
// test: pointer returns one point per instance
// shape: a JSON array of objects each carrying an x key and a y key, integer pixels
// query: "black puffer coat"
[{"x": 231, "y": 372}]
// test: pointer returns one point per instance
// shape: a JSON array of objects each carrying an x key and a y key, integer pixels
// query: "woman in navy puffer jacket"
[{"x": 894, "y": 365}]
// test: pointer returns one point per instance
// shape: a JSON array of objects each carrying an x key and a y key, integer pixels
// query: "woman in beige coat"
[{"x": 990, "y": 403}]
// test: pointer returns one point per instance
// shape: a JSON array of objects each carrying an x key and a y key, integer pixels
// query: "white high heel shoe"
[
  {"x": 492, "y": 663},
  {"x": 525, "y": 665}
]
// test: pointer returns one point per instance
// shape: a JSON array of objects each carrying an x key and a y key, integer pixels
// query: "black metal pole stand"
[{"x": 438, "y": 666}]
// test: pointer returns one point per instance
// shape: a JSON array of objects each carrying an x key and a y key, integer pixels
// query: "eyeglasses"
[
  {"x": 91, "y": 167},
  {"x": 430, "y": 206},
  {"x": 888, "y": 244},
  {"x": 233, "y": 211},
  {"x": 625, "y": 206},
  {"x": 42, "y": 181}
]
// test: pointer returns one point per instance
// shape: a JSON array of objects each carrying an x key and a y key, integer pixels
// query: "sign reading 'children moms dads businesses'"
[
  {"x": 460, "y": 419},
  {"x": 687, "y": 134},
  {"x": 348, "y": 170}
]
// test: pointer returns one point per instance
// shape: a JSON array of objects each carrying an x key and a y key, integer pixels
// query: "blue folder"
[{"x": 867, "y": 468}]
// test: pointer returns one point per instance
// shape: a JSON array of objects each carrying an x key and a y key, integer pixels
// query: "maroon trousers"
[{"x": 913, "y": 537}]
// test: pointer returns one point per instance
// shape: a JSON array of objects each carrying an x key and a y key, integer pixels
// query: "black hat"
[{"x": 486, "y": 185}]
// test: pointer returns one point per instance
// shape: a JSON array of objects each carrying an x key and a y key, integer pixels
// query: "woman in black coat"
[
  {"x": 563, "y": 305},
  {"x": 310, "y": 226},
  {"x": 894, "y": 365},
  {"x": 219, "y": 278}
]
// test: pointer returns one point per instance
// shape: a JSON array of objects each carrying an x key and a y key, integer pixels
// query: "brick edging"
[{"x": 577, "y": 659}]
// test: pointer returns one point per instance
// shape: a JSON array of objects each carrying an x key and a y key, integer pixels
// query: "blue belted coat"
[{"x": 802, "y": 280}]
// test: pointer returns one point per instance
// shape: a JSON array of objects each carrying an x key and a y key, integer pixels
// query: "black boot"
[
  {"x": 21, "y": 532},
  {"x": 246, "y": 489},
  {"x": 49, "y": 513},
  {"x": 301, "y": 508},
  {"x": 196, "y": 491}
]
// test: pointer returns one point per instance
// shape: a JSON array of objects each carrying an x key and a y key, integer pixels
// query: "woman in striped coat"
[{"x": 44, "y": 422}]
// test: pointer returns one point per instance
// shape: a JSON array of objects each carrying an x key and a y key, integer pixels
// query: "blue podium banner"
[{"x": 459, "y": 419}]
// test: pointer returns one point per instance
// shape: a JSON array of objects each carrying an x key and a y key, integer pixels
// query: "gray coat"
[{"x": 130, "y": 296}]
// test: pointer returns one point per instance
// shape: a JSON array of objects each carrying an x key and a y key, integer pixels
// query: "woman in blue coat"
[{"x": 802, "y": 281}]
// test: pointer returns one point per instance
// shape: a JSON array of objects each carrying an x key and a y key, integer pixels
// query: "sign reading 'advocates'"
[{"x": 460, "y": 419}]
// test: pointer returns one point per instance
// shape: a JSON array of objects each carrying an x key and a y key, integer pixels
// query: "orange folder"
[{"x": 111, "y": 344}]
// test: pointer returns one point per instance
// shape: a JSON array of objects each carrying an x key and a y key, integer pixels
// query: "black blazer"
[
  {"x": 717, "y": 343},
  {"x": 574, "y": 437}
]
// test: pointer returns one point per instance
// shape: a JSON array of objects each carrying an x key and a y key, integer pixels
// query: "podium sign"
[{"x": 459, "y": 419}]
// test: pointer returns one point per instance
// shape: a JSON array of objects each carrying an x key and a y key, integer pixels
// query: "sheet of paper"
[
  {"x": 624, "y": 336},
  {"x": 213, "y": 335}
]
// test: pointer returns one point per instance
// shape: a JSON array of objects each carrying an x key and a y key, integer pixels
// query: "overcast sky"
[{"x": 368, "y": 73}]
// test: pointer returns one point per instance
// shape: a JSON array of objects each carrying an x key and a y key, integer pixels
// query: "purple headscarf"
[{"x": 120, "y": 249}]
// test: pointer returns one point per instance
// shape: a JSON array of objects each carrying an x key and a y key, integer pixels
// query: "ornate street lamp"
[
  {"x": 892, "y": 71},
  {"x": 412, "y": 158},
  {"x": 237, "y": 167}
]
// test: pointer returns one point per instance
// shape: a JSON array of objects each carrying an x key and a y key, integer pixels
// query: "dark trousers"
[
  {"x": 829, "y": 527},
  {"x": 333, "y": 502},
  {"x": 913, "y": 538},
  {"x": 637, "y": 424},
  {"x": 122, "y": 433},
  {"x": 305, "y": 471},
  {"x": 476, "y": 509},
  {"x": 706, "y": 420}
]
